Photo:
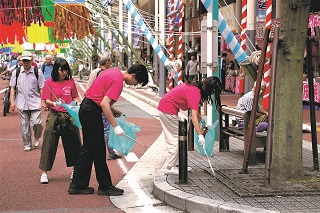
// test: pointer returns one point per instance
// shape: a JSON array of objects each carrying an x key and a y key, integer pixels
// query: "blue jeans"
[{"x": 106, "y": 130}]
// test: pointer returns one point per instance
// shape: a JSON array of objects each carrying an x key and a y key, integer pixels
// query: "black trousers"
[{"x": 93, "y": 149}]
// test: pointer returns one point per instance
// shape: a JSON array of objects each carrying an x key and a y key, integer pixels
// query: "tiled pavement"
[{"x": 205, "y": 193}]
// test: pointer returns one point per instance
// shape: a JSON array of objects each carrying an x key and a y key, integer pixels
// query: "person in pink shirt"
[
  {"x": 185, "y": 96},
  {"x": 60, "y": 88},
  {"x": 100, "y": 97}
]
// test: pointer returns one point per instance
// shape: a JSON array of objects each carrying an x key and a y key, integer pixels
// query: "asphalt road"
[{"x": 20, "y": 189}]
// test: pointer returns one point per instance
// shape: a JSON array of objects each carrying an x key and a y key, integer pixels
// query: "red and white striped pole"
[
  {"x": 266, "y": 74},
  {"x": 180, "y": 56},
  {"x": 243, "y": 41},
  {"x": 244, "y": 24},
  {"x": 171, "y": 43}
]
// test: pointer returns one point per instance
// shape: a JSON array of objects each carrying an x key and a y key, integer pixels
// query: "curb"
[
  {"x": 166, "y": 193},
  {"x": 193, "y": 203}
]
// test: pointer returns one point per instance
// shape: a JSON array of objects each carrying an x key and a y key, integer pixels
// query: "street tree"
[{"x": 287, "y": 160}]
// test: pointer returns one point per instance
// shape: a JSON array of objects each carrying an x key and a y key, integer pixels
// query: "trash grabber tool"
[{"x": 135, "y": 140}]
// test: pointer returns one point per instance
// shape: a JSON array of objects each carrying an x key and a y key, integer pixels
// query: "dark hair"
[
  {"x": 64, "y": 65},
  {"x": 208, "y": 87},
  {"x": 141, "y": 73}
]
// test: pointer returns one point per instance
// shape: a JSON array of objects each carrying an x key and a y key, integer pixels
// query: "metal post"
[
  {"x": 312, "y": 108},
  {"x": 190, "y": 133},
  {"x": 267, "y": 170},
  {"x": 255, "y": 103},
  {"x": 183, "y": 158}
]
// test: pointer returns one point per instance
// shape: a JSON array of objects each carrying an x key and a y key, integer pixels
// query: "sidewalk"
[{"x": 207, "y": 193}]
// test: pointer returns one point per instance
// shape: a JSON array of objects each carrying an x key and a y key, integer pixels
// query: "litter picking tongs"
[
  {"x": 205, "y": 152},
  {"x": 135, "y": 140}
]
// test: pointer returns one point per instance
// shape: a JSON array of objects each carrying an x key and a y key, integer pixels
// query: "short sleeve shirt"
[
  {"x": 65, "y": 90},
  {"x": 108, "y": 83},
  {"x": 182, "y": 97},
  {"x": 245, "y": 103},
  {"x": 27, "y": 89}
]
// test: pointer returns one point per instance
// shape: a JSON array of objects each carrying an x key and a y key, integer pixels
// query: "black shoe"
[
  {"x": 114, "y": 156},
  {"x": 111, "y": 191},
  {"x": 73, "y": 190}
]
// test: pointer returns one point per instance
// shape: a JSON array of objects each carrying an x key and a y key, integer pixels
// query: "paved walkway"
[{"x": 205, "y": 192}]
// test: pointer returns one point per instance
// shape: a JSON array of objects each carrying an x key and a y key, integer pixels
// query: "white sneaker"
[
  {"x": 71, "y": 176},
  {"x": 173, "y": 171},
  {"x": 188, "y": 168},
  {"x": 36, "y": 142},
  {"x": 44, "y": 178},
  {"x": 27, "y": 148}
]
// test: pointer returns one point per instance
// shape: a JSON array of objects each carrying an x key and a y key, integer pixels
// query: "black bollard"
[
  {"x": 183, "y": 158},
  {"x": 190, "y": 133}
]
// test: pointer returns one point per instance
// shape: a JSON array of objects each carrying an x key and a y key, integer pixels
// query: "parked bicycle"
[{"x": 6, "y": 101}]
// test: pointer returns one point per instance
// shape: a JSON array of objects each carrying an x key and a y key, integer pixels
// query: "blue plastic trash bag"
[
  {"x": 73, "y": 110},
  {"x": 123, "y": 144},
  {"x": 210, "y": 138}
]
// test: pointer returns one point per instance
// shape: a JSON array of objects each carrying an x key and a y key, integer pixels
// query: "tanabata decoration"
[{"x": 72, "y": 21}]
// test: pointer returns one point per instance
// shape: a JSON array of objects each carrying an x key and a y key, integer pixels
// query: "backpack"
[
  {"x": 18, "y": 73},
  {"x": 98, "y": 73}
]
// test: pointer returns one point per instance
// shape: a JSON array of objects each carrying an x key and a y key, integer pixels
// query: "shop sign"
[
  {"x": 305, "y": 92},
  {"x": 260, "y": 25},
  {"x": 314, "y": 21},
  {"x": 69, "y": 1}
]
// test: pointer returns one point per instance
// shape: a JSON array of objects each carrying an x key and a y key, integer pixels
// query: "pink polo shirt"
[
  {"x": 182, "y": 97},
  {"x": 108, "y": 83},
  {"x": 65, "y": 90}
]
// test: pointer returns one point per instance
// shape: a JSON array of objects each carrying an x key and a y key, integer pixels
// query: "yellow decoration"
[{"x": 37, "y": 34}]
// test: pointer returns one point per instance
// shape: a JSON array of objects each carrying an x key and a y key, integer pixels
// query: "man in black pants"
[
  {"x": 224, "y": 70},
  {"x": 100, "y": 97}
]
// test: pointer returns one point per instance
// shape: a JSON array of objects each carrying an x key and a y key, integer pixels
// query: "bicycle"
[{"x": 6, "y": 101}]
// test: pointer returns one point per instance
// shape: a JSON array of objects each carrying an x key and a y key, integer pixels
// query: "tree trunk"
[{"x": 287, "y": 121}]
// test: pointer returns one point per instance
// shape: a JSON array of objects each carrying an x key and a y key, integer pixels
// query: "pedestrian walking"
[
  {"x": 26, "y": 88},
  {"x": 11, "y": 69},
  {"x": 224, "y": 70},
  {"x": 105, "y": 62},
  {"x": 59, "y": 88},
  {"x": 100, "y": 97},
  {"x": 192, "y": 68},
  {"x": 47, "y": 66},
  {"x": 185, "y": 96}
]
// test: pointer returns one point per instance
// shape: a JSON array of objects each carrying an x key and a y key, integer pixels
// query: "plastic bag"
[
  {"x": 73, "y": 110},
  {"x": 123, "y": 144},
  {"x": 210, "y": 138}
]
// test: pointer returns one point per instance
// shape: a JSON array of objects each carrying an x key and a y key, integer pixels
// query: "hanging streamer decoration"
[
  {"x": 72, "y": 21},
  {"x": 153, "y": 42},
  {"x": 15, "y": 15},
  {"x": 227, "y": 34}
]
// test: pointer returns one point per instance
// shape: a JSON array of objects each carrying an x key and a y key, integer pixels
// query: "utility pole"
[
  {"x": 162, "y": 74},
  {"x": 212, "y": 54}
]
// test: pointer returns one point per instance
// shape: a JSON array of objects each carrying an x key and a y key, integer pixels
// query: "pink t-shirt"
[
  {"x": 182, "y": 97},
  {"x": 65, "y": 90},
  {"x": 108, "y": 83}
]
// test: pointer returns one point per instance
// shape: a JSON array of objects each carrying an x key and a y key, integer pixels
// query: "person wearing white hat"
[{"x": 26, "y": 88}]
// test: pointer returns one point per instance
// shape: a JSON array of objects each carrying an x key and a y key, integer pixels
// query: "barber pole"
[
  {"x": 243, "y": 40},
  {"x": 171, "y": 43},
  {"x": 180, "y": 41},
  {"x": 244, "y": 24},
  {"x": 266, "y": 75}
]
